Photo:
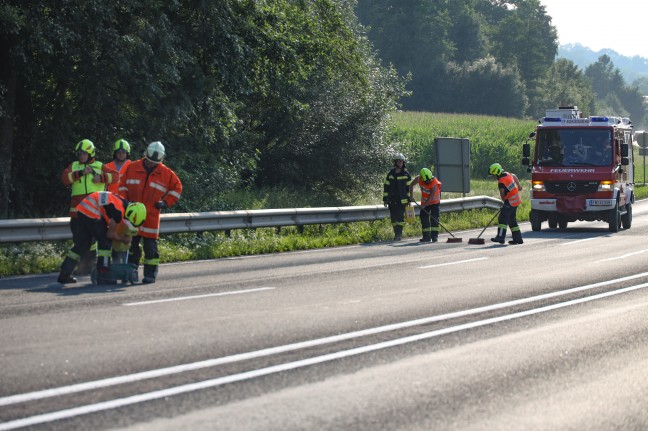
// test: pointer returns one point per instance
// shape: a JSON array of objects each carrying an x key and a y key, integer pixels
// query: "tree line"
[
  {"x": 263, "y": 93},
  {"x": 490, "y": 57}
]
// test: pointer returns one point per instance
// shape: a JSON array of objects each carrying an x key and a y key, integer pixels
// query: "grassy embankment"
[{"x": 492, "y": 139}]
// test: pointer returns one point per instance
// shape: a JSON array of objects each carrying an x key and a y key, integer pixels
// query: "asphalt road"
[{"x": 551, "y": 334}]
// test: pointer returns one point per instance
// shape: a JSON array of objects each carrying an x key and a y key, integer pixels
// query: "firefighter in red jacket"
[
  {"x": 100, "y": 216},
  {"x": 509, "y": 188},
  {"x": 149, "y": 181},
  {"x": 121, "y": 154},
  {"x": 84, "y": 176}
]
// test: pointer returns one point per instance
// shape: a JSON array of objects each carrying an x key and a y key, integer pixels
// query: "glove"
[
  {"x": 161, "y": 205},
  {"x": 385, "y": 204}
]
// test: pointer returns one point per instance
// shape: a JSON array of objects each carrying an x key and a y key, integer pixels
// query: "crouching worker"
[{"x": 102, "y": 215}]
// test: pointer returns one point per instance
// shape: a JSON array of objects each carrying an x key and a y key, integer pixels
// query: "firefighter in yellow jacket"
[{"x": 86, "y": 175}]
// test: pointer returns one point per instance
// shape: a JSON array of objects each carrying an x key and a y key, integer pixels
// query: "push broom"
[
  {"x": 452, "y": 237},
  {"x": 479, "y": 239}
]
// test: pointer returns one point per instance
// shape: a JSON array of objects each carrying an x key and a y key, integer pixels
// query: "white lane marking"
[
  {"x": 578, "y": 241},
  {"x": 206, "y": 384},
  {"x": 622, "y": 257},
  {"x": 129, "y": 378},
  {"x": 207, "y": 295},
  {"x": 452, "y": 263}
]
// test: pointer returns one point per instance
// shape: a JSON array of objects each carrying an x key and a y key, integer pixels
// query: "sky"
[{"x": 616, "y": 24}]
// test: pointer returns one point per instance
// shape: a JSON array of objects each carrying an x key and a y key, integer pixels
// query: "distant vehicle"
[{"x": 581, "y": 169}]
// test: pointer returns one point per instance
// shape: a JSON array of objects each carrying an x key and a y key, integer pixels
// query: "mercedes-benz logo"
[{"x": 571, "y": 186}]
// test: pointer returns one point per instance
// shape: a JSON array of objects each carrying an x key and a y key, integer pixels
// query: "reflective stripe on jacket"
[
  {"x": 426, "y": 189},
  {"x": 82, "y": 185},
  {"x": 396, "y": 187},
  {"x": 93, "y": 205},
  {"x": 161, "y": 184},
  {"x": 512, "y": 193}
]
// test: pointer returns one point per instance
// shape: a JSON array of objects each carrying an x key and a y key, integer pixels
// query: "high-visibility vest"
[
  {"x": 93, "y": 205},
  {"x": 512, "y": 193},
  {"x": 426, "y": 190},
  {"x": 84, "y": 185}
]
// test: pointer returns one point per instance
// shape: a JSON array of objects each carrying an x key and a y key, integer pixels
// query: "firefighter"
[
  {"x": 149, "y": 181},
  {"x": 100, "y": 216},
  {"x": 84, "y": 176},
  {"x": 121, "y": 159},
  {"x": 509, "y": 189},
  {"x": 430, "y": 202},
  {"x": 395, "y": 193}
]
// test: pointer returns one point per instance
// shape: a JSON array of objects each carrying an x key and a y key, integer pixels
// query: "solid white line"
[
  {"x": 108, "y": 405},
  {"x": 452, "y": 263},
  {"x": 129, "y": 378},
  {"x": 622, "y": 257},
  {"x": 207, "y": 295},
  {"x": 577, "y": 241}
]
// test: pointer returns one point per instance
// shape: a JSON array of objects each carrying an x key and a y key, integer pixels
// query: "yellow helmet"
[
  {"x": 135, "y": 213},
  {"x": 87, "y": 146},
  {"x": 426, "y": 174},
  {"x": 495, "y": 169},
  {"x": 122, "y": 144}
]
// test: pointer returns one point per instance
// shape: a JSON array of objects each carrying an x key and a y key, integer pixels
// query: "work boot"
[
  {"x": 435, "y": 237},
  {"x": 517, "y": 237},
  {"x": 150, "y": 273},
  {"x": 398, "y": 233},
  {"x": 66, "y": 279},
  {"x": 501, "y": 235},
  {"x": 67, "y": 267},
  {"x": 426, "y": 237}
]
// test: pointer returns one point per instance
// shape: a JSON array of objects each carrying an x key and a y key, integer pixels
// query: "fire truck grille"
[{"x": 571, "y": 187}]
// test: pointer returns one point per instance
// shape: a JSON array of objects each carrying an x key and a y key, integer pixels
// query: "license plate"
[{"x": 599, "y": 203}]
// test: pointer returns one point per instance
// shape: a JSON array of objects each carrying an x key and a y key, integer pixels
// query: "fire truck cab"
[{"x": 581, "y": 169}]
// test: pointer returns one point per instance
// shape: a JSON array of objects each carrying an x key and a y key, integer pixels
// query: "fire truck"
[{"x": 581, "y": 169}]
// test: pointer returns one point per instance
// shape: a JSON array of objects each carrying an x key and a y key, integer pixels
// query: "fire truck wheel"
[
  {"x": 614, "y": 219},
  {"x": 562, "y": 223},
  {"x": 553, "y": 222},
  {"x": 626, "y": 219},
  {"x": 536, "y": 220}
]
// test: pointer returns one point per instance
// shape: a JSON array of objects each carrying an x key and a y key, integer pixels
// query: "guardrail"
[{"x": 51, "y": 229}]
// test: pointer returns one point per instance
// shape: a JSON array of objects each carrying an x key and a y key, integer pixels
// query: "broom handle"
[
  {"x": 433, "y": 218},
  {"x": 488, "y": 224}
]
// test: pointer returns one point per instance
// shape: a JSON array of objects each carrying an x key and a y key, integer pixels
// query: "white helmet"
[
  {"x": 399, "y": 156},
  {"x": 154, "y": 152}
]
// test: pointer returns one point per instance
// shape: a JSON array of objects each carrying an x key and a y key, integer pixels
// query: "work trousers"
[{"x": 430, "y": 221}]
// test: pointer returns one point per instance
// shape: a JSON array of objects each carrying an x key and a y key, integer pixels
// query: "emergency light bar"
[{"x": 590, "y": 121}]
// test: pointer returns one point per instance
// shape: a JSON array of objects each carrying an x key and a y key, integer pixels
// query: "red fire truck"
[{"x": 581, "y": 169}]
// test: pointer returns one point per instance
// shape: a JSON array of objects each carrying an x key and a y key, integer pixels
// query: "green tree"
[
  {"x": 485, "y": 87},
  {"x": 226, "y": 85},
  {"x": 613, "y": 96},
  {"x": 564, "y": 85}
]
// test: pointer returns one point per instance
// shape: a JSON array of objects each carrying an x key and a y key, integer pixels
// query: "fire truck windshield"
[{"x": 574, "y": 147}]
